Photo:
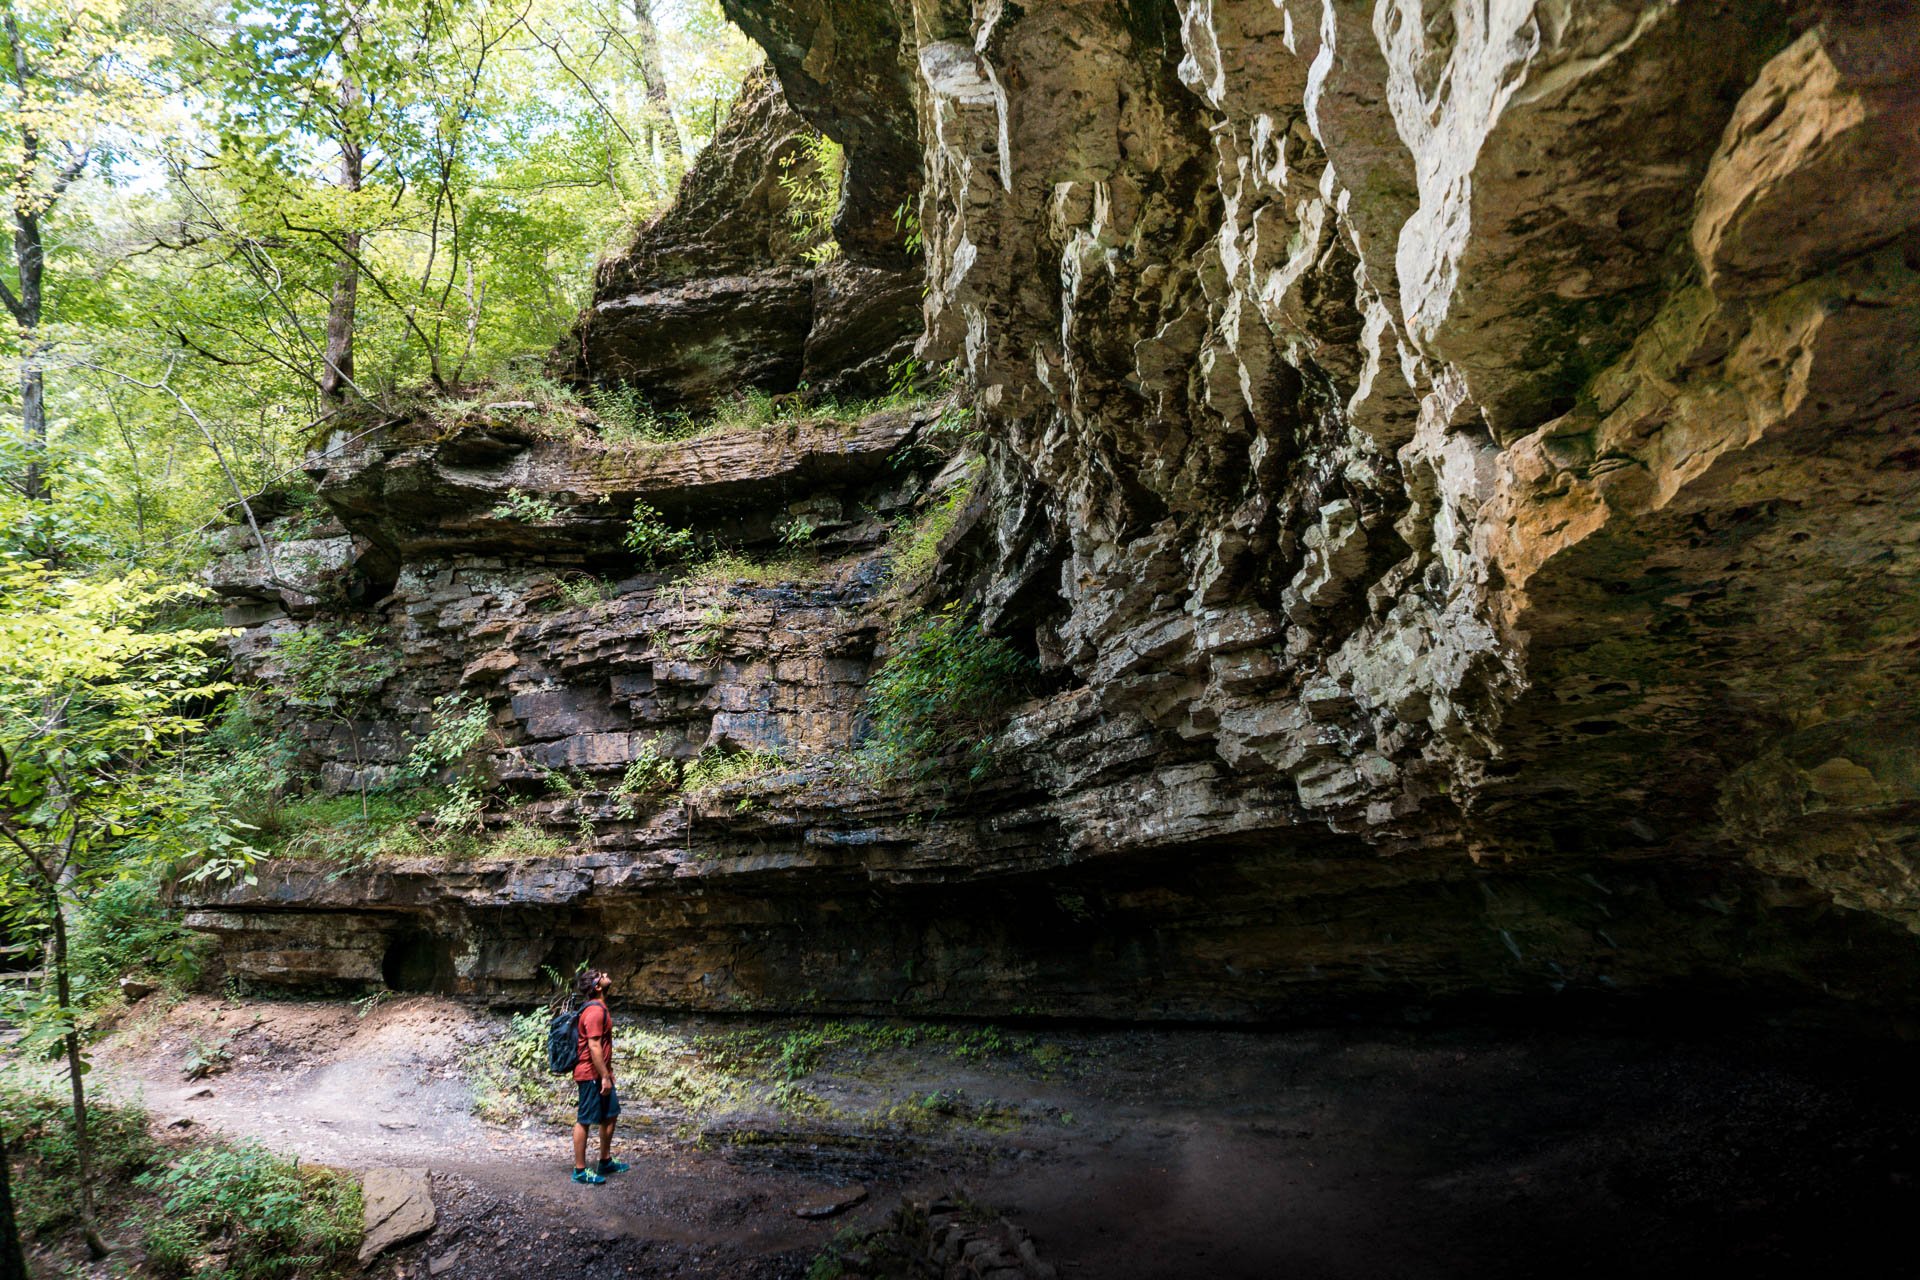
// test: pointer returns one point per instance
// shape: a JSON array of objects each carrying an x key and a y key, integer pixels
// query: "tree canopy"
[
  {"x": 229, "y": 224},
  {"x": 234, "y": 221}
]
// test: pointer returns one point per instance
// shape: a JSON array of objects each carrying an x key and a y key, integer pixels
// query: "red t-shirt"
[{"x": 595, "y": 1024}]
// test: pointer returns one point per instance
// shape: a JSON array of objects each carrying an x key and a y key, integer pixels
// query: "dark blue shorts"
[{"x": 596, "y": 1107}]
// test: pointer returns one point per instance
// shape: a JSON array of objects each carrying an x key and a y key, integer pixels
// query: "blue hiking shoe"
[
  {"x": 613, "y": 1166},
  {"x": 587, "y": 1177}
]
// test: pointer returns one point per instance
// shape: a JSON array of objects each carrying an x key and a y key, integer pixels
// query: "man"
[{"x": 593, "y": 1073}]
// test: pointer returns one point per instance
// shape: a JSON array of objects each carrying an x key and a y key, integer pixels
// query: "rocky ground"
[{"x": 1353, "y": 1151}]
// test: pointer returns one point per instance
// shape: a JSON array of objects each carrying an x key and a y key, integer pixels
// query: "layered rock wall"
[
  {"x": 1496, "y": 423},
  {"x": 1455, "y": 464}
]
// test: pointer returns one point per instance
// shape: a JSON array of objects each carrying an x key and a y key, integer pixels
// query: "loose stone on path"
[
  {"x": 827, "y": 1203},
  {"x": 399, "y": 1208}
]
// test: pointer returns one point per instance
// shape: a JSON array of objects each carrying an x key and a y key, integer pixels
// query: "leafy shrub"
[
  {"x": 245, "y": 764},
  {"x": 584, "y": 591},
  {"x": 271, "y": 1216},
  {"x": 306, "y": 514},
  {"x": 552, "y": 403},
  {"x": 750, "y": 409},
  {"x": 455, "y": 733},
  {"x": 627, "y": 420},
  {"x": 700, "y": 1075},
  {"x": 524, "y": 840},
  {"x": 335, "y": 666},
  {"x": 460, "y": 811},
  {"x": 727, "y": 567},
  {"x": 910, "y": 381},
  {"x": 240, "y": 1213},
  {"x": 527, "y": 508},
  {"x": 455, "y": 730},
  {"x": 710, "y": 632},
  {"x": 956, "y": 426},
  {"x": 508, "y": 1076},
  {"x": 906, "y": 220},
  {"x": 335, "y": 829},
  {"x": 810, "y": 175},
  {"x": 652, "y": 772},
  {"x": 39, "y": 1130},
  {"x": 945, "y": 688},
  {"x": 656, "y": 542},
  {"x": 338, "y": 670},
  {"x": 126, "y": 928}
]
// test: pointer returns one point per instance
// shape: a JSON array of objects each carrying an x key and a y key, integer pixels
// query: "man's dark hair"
[{"x": 586, "y": 983}]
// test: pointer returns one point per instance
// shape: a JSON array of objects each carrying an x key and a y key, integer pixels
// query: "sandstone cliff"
[{"x": 1454, "y": 466}]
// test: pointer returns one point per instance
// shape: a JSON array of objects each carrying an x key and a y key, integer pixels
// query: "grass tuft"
[
  {"x": 725, "y": 568},
  {"x": 914, "y": 548}
]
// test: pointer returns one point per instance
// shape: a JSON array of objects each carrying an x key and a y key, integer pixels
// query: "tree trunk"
[
  {"x": 13, "y": 1258},
  {"x": 654, "y": 77},
  {"x": 336, "y": 380},
  {"x": 359, "y": 765},
  {"x": 139, "y": 471},
  {"x": 95, "y": 1245},
  {"x": 33, "y": 422},
  {"x": 30, "y": 260}
]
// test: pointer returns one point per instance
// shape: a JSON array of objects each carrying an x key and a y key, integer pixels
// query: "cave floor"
[{"x": 1369, "y": 1150}]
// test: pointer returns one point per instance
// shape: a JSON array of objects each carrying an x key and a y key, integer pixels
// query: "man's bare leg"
[
  {"x": 606, "y": 1142},
  {"x": 580, "y": 1144}
]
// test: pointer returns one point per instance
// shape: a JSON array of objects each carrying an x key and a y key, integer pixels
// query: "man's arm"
[{"x": 602, "y": 1063}]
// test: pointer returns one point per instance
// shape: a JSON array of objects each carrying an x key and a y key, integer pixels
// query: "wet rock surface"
[{"x": 944, "y": 1239}]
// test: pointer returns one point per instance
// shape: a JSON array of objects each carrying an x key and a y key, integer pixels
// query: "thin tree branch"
[
  {"x": 433, "y": 355},
  {"x": 220, "y": 455},
  {"x": 65, "y": 178}
]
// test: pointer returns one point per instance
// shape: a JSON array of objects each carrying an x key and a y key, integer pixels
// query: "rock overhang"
[{"x": 1459, "y": 444}]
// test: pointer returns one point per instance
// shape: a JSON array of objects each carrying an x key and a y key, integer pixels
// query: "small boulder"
[
  {"x": 827, "y": 1203},
  {"x": 399, "y": 1208}
]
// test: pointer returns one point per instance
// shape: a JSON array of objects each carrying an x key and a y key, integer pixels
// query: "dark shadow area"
[
  {"x": 417, "y": 961},
  {"x": 1478, "y": 1152}
]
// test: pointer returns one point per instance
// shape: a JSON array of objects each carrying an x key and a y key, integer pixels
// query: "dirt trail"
[
  {"x": 389, "y": 1088},
  {"x": 1134, "y": 1153}
]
